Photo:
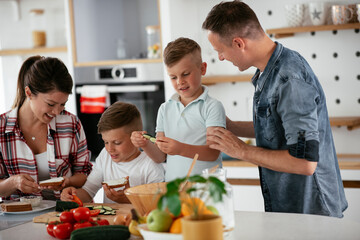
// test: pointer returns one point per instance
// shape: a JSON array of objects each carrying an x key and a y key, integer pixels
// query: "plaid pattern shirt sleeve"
[{"x": 66, "y": 148}]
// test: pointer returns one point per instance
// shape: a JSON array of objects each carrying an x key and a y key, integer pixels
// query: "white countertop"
[{"x": 249, "y": 225}]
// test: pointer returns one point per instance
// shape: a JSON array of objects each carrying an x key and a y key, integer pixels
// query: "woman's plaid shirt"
[{"x": 67, "y": 151}]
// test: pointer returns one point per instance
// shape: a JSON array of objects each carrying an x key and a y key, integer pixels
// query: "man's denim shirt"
[{"x": 290, "y": 110}]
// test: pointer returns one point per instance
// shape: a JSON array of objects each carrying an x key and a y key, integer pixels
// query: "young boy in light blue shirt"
[{"x": 183, "y": 120}]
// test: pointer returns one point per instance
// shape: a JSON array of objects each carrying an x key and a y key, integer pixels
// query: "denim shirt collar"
[{"x": 259, "y": 82}]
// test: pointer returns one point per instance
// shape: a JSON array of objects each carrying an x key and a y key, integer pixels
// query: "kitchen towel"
[{"x": 94, "y": 99}]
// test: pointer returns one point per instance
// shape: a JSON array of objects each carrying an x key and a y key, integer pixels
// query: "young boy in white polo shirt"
[
  {"x": 184, "y": 119},
  {"x": 119, "y": 158}
]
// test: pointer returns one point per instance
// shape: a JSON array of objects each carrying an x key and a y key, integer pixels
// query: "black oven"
[{"x": 139, "y": 84}]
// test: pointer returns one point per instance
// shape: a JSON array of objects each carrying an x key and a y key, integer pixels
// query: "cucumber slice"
[
  {"x": 89, "y": 207},
  {"x": 113, "y": 212},
  {"x": 98, "y": 207},
  {"x": 151, "y": 138},
  {"x": 108, "y": 208},
  {"x": 107, "y": 213},
  {"x": 102, "y": 211}
]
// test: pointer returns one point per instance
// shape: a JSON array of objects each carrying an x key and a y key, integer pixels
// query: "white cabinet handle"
[{"x": 124, "y": 89}]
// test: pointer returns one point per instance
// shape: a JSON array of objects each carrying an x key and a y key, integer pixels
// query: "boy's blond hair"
[
  {"x": 120, "y": 114},
  {"x": 179, "y": 48}
]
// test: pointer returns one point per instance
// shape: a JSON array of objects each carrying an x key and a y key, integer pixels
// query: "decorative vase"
[{"x": 208, "y": 227}]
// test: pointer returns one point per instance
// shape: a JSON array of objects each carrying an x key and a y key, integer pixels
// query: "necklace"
[{"x": 33, "y": 138}]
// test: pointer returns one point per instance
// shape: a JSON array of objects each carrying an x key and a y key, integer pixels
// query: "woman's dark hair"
[
  {"x": 233, "y": 19},
  {"x": 42, "y": 75},
  {"x": 120, "y": 114}
]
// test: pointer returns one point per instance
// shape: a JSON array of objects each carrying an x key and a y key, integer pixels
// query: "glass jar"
[
  {"x": 153, "y": 41},
  {"x": 37, "y": 24},
  {"x": 121, "y": 49},
  {"x": 226, "y": 207}
]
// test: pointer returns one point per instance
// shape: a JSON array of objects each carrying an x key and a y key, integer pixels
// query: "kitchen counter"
[{"x": 249, "y": 225}]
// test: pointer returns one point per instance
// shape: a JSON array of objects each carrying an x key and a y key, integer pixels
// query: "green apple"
[
  {"x": 159, "y": 221},
  {"x": 213, "y": 209}
]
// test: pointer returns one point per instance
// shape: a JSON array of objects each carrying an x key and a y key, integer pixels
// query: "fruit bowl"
[
  {"x": 144, "y": 197},
  {"x": 149, "y": 235}
]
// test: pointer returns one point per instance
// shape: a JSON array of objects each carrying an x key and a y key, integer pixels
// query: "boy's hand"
[
  {"x": 117, "y": 196},
  {"x": 67, "y": 194},
  {"x": 169, "y": 145},
  {"x": 138, "y": 140}
]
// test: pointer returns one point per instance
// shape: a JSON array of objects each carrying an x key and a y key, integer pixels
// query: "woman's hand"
[
  {"x": 67, "y": 194},
  {"x": 25, "y": 183},
  {"x": 116, "y": 196},
  {"x": 138, "y": 140},
  {"x": 169, "y": 145}
]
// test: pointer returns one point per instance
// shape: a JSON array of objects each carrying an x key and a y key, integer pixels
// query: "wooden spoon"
[{"x": 189, "y": 172}]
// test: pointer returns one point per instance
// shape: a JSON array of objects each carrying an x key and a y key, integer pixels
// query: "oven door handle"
[{"x": 124, "y": 89}]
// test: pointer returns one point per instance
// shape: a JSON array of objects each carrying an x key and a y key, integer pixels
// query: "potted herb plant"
[{"x": 188, "y": 197}]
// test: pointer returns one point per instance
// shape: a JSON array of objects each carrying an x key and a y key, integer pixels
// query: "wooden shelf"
[
  {"x": 288, "y": 32},
  {"x": 210, "y": 80},
  {"x": 116, "y": 62},
  {"x": 346, "y": 161},
  {"x": 26, "y": 51},
  {"x": 350, "y": 122}
]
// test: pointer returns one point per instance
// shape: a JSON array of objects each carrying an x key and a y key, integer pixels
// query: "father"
[{"x": 295, "y": 152}]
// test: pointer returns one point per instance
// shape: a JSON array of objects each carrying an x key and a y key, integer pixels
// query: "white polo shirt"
[{"x": 188, "y": 125}]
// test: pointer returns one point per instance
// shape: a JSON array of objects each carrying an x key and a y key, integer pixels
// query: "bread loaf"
[{"x": 16, "y": 207}]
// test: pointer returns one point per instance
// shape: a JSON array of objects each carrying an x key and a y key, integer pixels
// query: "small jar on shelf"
[
  {"x": 153, "y": 42},
  {"x": 37, "y": 25}
]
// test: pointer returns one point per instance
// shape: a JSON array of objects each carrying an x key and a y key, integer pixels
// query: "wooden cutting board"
[{"x": 120, "y": 209}]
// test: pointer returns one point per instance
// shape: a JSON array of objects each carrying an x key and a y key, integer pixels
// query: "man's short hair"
[{"x": 233, "y": 19}]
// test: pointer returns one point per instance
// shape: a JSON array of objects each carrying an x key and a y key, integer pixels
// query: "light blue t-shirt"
[{"x": 188, "y": 125}]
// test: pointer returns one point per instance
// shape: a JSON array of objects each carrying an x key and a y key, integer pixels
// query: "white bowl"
[
  {"x": 149, "y": 235},
  {"x": 33, "y": 200}
]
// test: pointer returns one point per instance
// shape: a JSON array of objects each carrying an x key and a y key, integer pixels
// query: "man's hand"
[{"x": 226, "y": 142}]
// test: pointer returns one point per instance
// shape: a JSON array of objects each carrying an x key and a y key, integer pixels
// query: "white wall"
[{"x": 15, "y": 33}]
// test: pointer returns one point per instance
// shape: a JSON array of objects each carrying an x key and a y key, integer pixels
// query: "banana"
[
  {"x": 136, "y": 220},
  {"x": 133, "y": 228}
]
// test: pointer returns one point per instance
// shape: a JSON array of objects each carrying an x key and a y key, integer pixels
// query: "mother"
[{"x": 38, "y": 138}]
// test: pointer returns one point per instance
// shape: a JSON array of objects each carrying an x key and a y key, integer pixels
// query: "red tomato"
[
  {"x": 67, "y": 217},
  {"x": 81, "y": 214},
  {"x": 77, "y": 200},
  {"x": 62, "y": 230},
  {"x": 94, "y": 213},
  {"x": 50, "y": 227},
  {"x": 82, "y": 225},
  {"x": 102, "y": 222}
]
